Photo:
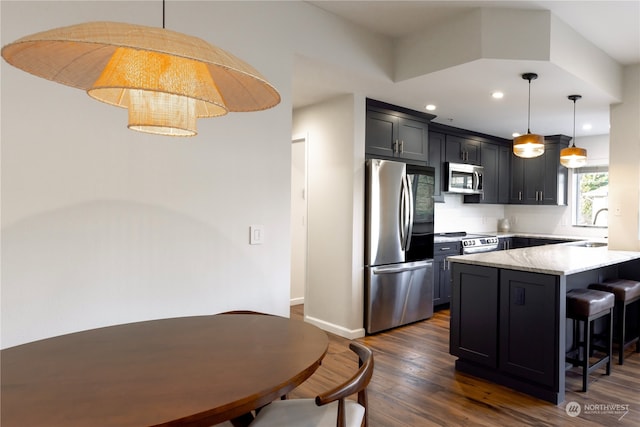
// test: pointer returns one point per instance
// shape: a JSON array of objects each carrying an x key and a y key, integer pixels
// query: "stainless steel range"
[{"x": 476, "y": 243}]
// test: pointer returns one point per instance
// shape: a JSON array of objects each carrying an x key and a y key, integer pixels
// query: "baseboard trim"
[
  {"x": 296, "y": 301},
  {"x": 336, "y": 329}
]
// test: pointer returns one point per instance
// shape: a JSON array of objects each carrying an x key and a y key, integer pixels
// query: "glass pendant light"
[
  {"x": 573, "y": 157},
  {"x": 529, "y": 145}
]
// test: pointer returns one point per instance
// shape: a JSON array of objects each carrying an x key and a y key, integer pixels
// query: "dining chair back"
[{"x": 328, "y": 409}]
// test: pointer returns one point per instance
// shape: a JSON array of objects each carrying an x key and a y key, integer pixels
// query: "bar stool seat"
[
  {"x": 626, "y": 292},
  {"x": 587, "y": 305}
]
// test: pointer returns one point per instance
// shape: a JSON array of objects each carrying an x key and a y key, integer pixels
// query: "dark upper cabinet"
[
  {"x": 396, "y": 132},
  {"x": 504, "y": 173},
  {"x": 496, "y": 160},
  {"x": 436, "y": 148},
  {"x": 462, "y": 150},
  {"x": 541, "y": 180}
]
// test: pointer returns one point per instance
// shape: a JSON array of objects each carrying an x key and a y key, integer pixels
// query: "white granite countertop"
[
  {"x": 443, "y": 238},
  {"x": 558, "y": 259}
]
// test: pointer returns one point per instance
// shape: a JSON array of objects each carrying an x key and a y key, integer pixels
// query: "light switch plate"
[{"x": 256, "y": 234}]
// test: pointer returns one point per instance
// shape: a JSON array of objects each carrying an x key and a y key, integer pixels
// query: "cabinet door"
[
  {"x": 490, "y": 161},
  {"x": 462, "y": 150},
  {"x": 438, "y": 271},
  {"x": 436, "y": 142},
  {"x": 555, "y": 178},
  {"x": 474, "y": 314},
  {"x": 540, "y": 180},
  {"x": 533, "y": 180},
  {"x": 381, "y": 134},
  {"x": 442, "y": 281},
  {"x": 412, "y": 140},
  {"x": 519, "y": 242},
  {"x": 528, "y": 304},
  {"x": 516, "y": 192},
  {"x": 505, "y": 243},
  {"x": 504, "y": 173}
]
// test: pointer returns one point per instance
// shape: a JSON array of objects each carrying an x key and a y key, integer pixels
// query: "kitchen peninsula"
[{"x": 508, "y": 310}]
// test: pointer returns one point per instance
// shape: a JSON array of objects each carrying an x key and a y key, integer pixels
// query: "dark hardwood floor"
[{"x": 415, "y": 384}]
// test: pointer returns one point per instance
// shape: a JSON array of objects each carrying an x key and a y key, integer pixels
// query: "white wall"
[
  {"x": 333, "y": 298},
  {"x": 102, "y": 225},
  {"x": 624, "y": 174}
]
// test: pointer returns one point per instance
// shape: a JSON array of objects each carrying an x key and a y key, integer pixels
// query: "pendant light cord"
[
  {"x": 163, "y": 14},
  {"x": 528, "y": 109},
  {"x": 573, "y": 142}
]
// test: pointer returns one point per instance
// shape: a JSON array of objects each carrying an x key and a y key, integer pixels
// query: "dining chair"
[{"x": 328, "y": 409}]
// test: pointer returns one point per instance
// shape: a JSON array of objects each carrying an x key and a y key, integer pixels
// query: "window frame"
[{"x": 577, "y": 194}]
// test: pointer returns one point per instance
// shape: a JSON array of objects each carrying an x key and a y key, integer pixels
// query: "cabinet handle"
[
  {"x": 519, "y": 195},
  {"x": 445, "y": 249},
  {"x": 395, "y": 146},
  {"x": 401, "y": 146},
  {"x": 541, "y": 196}
]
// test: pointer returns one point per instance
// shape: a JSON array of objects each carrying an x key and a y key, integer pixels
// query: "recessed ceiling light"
[
  {"x": 430, "y": 107},
  {"x": 497, "y": 95},
  {"x": 586, "y": 126},
  {"x": 515, "y": 134}
]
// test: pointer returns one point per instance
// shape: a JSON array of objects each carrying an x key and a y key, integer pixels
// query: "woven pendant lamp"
[
  {"x": 166, "y": 79},
  {"x": 573, "y": 157},
  {"x": 529, "y": 145}
]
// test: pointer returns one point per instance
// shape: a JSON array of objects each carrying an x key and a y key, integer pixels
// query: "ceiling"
[{"x": 462, "y": 93}]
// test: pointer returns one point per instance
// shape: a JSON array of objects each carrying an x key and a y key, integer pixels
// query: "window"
[{"x": 592, "y": 196}]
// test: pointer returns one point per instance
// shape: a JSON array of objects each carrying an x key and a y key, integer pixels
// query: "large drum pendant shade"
[{"x": 176, "y": 78}]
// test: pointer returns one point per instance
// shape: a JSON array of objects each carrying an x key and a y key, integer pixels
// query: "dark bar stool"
[
  {"x": 626, "y": 292},
  {"x": 587, "y": 305}
]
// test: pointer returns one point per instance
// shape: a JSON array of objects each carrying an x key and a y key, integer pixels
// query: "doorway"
[{"x": 298, "y": 219}]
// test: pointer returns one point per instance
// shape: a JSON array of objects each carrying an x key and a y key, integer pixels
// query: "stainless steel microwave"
[{"x": 463, "y": 178}]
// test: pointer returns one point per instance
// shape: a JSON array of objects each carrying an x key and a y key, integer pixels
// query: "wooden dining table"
[{"x": 187, "y": 371}]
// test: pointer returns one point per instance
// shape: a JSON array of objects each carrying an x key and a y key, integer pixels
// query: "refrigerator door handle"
[
  {"x": 409, "y": 227},
  {"x": 402, "y": 223},
  {"x": 400, "y": 268}
]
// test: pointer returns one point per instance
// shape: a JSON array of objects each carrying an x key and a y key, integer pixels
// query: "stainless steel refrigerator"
[{"x": 399, "y": 226}]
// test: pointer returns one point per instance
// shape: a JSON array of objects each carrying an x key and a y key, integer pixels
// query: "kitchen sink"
[{"x": 589, "y": 244}]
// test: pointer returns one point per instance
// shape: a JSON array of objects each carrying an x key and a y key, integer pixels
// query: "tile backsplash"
[{"x": 454, "y": 215}]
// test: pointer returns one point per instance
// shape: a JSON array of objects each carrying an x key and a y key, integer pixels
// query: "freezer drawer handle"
[{"x": 393, "y": 269}]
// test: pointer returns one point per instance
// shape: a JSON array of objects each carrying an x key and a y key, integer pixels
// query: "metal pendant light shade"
[
  {"x": 529, "y": 145},
  {"x": 166, "y": 79},
  {"x": 573, "y": 157}
]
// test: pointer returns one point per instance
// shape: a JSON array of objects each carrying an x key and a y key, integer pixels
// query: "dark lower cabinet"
[
  {"x": 474, "y": 335},
  {"x": 507, "y": 326},
  {"x": 505, "y": 243},
  {"x": 528, "y": 304},
  {"x": 442, "y": 271}
]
